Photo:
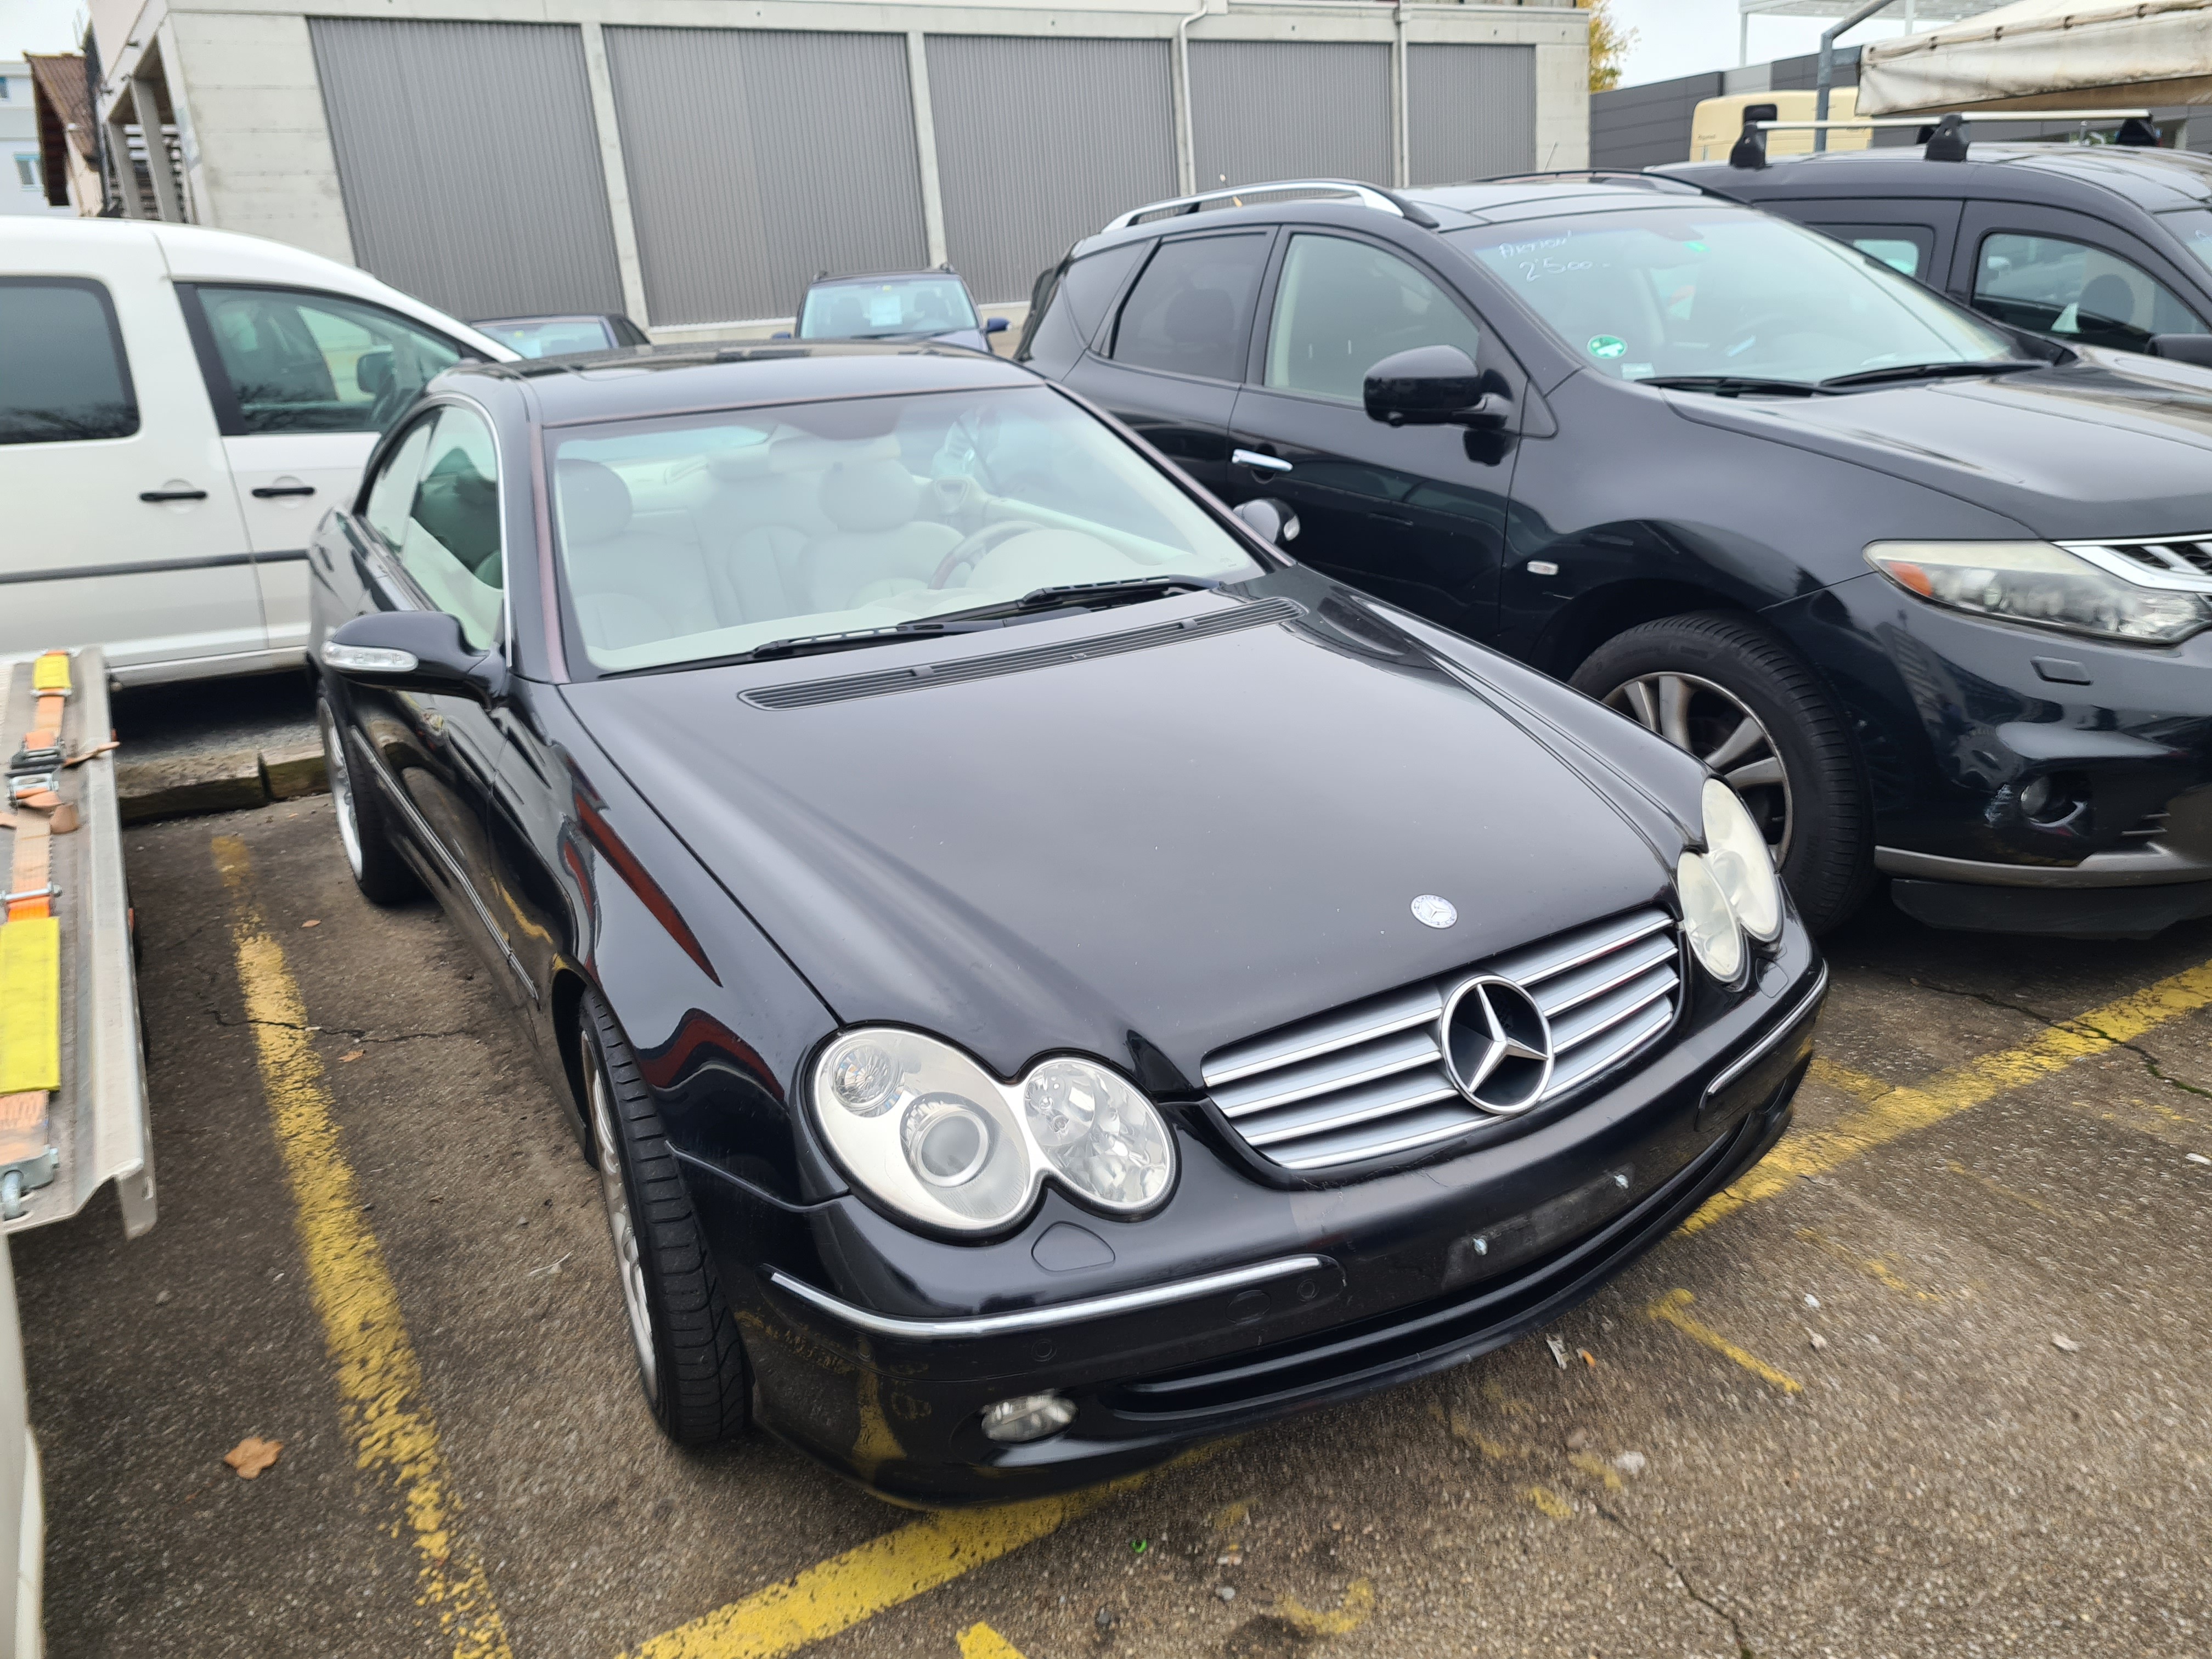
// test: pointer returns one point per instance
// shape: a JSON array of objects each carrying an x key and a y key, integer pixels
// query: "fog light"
[{"x": 1027, "y": 1417}]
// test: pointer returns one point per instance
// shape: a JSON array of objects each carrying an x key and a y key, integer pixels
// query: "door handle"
[
  {"x": 1252, "y": 458},
  {"x": 270, "y": 492},
  {"x": 173, "y": 494}
]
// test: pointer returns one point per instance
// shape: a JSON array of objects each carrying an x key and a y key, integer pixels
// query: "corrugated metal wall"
[
  {"x": 758, "y": 157},
  {"x": 1039, "y": 143},
  {"x": 1470, "y": 111},
  {"x": 469, "y": 163},
  {"x": 1281, "y": 109}
]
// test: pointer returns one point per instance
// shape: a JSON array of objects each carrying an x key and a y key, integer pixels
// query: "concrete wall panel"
[
  {"x": 1040, "y": 142},
  {"x": 1470, "y": 112},
  {"x": 469, "y": 162},
  {"x": 1289, "y": 109},
  {"x": 758, "y": 157}
]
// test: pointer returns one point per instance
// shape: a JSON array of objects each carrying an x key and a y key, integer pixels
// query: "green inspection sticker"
[{"x": 1606, "y": 345}]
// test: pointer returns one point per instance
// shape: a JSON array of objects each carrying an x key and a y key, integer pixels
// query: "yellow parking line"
[
  {"x": 1669, "y": 1308},
  {"x": 848, "y": 1590},
  {"x": 380, "y": 1381},
  {"x": 1351, "y": 1612},
  {"x": 981, "y": 1642},
  {"x": 1900, "y": 1111}
]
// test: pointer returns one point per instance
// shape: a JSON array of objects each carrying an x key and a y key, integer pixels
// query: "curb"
[{"x": 224, "y": 781}]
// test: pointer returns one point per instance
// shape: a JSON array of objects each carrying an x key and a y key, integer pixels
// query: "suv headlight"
[
  {"x": 927, "y": 1130},
  {"x": 2048, "y": 586}
]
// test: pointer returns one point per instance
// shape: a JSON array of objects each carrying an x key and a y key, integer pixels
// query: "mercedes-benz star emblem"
[
  {"x": 1497, "y": 1045},
  {"x": 1433, "y": 912}
]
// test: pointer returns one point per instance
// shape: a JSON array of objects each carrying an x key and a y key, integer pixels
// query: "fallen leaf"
[
  {"x": 2065, "y": 1345},
  {"x": 1587, "y": 1357},
  {"x": 253, "y": 1454},
  {"x": 356, "y": 1054},
  {"x": 313, "y": 921}
]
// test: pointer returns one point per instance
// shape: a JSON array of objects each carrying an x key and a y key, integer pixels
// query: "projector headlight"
[
  {"x": 1738, "y": 857},
  {"x": 2100, "y": 593},
  {"x": 927, "y": 1131},
  {"x": 1716, "y": 939}
]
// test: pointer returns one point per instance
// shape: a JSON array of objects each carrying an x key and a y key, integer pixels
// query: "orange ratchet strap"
[{"x": 30, "y": 942}]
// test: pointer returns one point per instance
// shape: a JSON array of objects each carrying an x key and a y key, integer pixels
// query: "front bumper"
[
  {"x": 2023, "y": 781},
  {"x": 1367, "y": 1285}
]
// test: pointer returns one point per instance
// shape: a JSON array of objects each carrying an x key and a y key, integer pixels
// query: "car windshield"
[
  {"x": 2194, "y": 227},
  {"x": 685, "y": 539},
  {"x": 549, "y": 337},
  {"x": 1667, "y": 291},
  {"x": 884, "y": 307}
]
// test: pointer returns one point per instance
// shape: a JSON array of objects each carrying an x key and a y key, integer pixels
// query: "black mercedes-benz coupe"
[{"x": 1044, "y": 978}]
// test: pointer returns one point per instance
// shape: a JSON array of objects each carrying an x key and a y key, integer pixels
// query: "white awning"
[{"x": 2046, "y": 54}]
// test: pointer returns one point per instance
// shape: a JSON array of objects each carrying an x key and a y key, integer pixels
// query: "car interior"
[{"x": 708, "y": 536}]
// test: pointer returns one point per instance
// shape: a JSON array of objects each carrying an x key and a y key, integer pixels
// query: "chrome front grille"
[
  {"x": 2183, "y": 562},
  {"x": 1369, "y": 1079}
]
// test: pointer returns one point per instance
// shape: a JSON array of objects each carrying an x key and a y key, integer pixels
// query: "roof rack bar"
[
  {"x": 1366, "y": 195},
  {"x": 1964, "y": 115}
]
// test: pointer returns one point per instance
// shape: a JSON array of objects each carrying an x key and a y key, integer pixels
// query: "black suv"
[
  {"x": 2092, "y": 244},
  {"x": 1928, "y": 591}
]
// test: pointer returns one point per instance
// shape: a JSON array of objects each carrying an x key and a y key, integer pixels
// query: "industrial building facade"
[{"x": 695, "y": 163}]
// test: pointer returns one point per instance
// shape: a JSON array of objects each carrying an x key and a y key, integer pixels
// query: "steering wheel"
[
  {"x": 1743, "y": 333},
  {"x": 975, "y": 546}
]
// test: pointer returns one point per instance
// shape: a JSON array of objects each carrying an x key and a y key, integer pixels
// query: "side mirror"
[
  {"x": 1271, "y": 520},
  {"x": 1435, "y": 386},
  {"x": 372, "y": 372},
  {"x": 415, "y": 651},
  {"x": 2184, "y": 347},
  {"x": 994, "y": 325}
]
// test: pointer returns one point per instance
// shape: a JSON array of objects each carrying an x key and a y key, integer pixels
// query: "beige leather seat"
[
  {"x": 878, "y": 548},
  {"x": 631, "y": 586}
]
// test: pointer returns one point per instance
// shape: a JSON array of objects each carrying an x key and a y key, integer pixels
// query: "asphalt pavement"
[{"x": 1931, "y": 1382}]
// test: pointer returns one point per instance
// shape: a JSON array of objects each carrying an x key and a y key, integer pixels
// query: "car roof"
[
  {"x": 2155, "y": 180},
  {"x": 639, "y": 380},
  {"x": 881, "y": 276}
]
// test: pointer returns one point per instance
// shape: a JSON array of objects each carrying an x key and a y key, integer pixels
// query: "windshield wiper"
[
  {"x": 1932, "y": 371},
  {"x": 1727, "y": 385},
  {"x": 1065, "y": 597}
]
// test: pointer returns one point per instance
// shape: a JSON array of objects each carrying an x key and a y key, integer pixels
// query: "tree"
[{"x": 1608, "y": 44}]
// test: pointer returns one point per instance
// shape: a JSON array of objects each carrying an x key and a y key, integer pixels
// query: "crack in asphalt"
[
  {"x": 356, "y": 1033},
  {"x": 1743, "y": 1648},
  {"x": 2150, "y": 1061}
]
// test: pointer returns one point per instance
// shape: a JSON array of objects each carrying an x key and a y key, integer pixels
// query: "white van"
[{"x": 179, "y": 407}]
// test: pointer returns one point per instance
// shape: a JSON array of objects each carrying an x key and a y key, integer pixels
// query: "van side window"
[
  {"x": 451, "y": 543},
  {"x": 285, "y": 360},
  {"x": 63, "y": 375},
  {"x": 1341, "y": 307},
  {"x": 2076, "y": 292},
  {"x": 1191, "y": 312}
]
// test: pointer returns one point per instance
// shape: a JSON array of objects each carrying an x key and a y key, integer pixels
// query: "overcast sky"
[
  {"x": 1689, "y": 37},
  {"x": 39, "y": 25}
]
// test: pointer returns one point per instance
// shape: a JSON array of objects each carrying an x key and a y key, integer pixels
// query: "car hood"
[
  {"x": 2110, "y": 446},
  {"x": 1143, "y": 855}
]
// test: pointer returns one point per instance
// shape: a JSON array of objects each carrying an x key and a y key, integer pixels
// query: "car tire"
[
  {"x": 690, "y": 1362},
  {"x": 383, "y": 876},
  {"x": 1696, "y": 676}
]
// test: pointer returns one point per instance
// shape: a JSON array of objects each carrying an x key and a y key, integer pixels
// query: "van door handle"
[
  {"x": 1265, "y": 462},
  {"x": 270, "y": 492},
  {"x": 173, "y": 494}
]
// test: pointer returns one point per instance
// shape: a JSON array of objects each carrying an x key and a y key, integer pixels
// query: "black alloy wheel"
[
  {"x": 689, "y": 1361},
  {"x": 1728, "y": 691},
  {"x": 379, "y": 870}
]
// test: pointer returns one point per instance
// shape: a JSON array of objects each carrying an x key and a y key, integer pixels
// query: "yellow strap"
[
  {"x": 30, "y": 1006},
  {"x": 51, "y": 673}
]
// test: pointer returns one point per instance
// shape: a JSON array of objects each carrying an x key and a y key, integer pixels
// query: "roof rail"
[
  {"x": 1364, "y": 195},
  {"x": 1622, "y": 175}
]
